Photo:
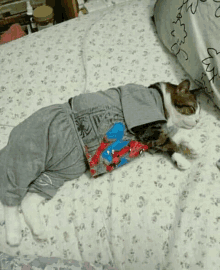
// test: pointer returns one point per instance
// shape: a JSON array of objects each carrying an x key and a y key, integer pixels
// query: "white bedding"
[{"x": 145, "y": 215}]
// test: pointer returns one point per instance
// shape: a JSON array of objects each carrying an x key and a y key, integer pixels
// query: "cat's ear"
[{"x": 183, "y": 87}]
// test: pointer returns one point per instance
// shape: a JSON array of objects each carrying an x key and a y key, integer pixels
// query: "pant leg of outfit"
[
  {"x": 190, "y": 30},
  {"x": 42, "y": 153}
]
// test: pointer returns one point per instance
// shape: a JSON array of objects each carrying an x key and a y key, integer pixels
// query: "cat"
[{"x": 181, "y": 111}]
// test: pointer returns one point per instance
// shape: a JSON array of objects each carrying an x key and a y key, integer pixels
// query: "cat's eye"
[
  {"x": 192, "y": 109},
  {"x": 185, "y": 109}
]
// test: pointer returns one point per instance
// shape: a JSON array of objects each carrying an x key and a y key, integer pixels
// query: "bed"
[{"x": 144, "y": 215}]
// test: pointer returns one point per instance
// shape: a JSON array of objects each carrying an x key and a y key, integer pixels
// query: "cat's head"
[{"x": 180, "y": 105}]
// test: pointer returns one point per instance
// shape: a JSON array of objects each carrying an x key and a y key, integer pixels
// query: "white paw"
[
  {"x": 36, "y": 225},
  {"x": 32, "y": 216},
  {"x": 12, "y": 226},
  {"x": 181, "y": 162},
  {"x": 39, "y": 232},
  {"x": 33, "y": 220},
  {"x": 13, "y": 238}
]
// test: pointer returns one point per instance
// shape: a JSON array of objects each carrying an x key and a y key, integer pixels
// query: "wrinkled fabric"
[{"x": 43, "y": 263}]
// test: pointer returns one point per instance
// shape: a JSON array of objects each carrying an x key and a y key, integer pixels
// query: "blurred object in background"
[
  {"x": 14, "y": 32},
  {"x": 64, "y": 9},
  {"x": 43, "y": 17}
]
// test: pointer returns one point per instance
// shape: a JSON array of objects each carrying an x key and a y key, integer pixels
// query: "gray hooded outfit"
[{"x": 48, "y": 148}]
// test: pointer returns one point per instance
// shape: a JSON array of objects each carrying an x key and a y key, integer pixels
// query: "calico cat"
[{"x": 181, "y": 111}]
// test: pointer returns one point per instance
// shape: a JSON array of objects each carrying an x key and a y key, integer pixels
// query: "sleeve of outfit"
[{"x": 141, "y": 105}]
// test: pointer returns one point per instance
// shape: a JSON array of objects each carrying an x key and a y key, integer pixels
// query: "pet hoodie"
[{"x": 49, "y": 147}]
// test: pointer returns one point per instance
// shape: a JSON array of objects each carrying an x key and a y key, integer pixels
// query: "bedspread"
[{"x": 145, "y": 215}]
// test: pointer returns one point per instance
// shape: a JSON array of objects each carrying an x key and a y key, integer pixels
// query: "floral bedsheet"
[{"x": 145, "y": 215}]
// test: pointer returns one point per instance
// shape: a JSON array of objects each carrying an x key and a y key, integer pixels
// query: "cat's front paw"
[{"x": 180, "y": 161}]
